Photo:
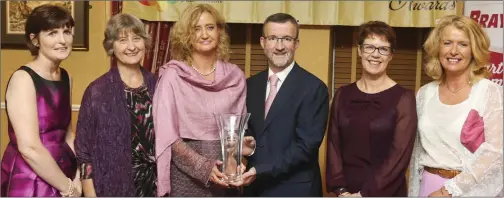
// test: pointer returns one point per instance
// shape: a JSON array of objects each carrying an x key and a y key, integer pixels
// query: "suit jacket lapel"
[
  {"x": 257, "y": 100},
  {"x": 283, "y": 96},
  {"x": 261, "y": 101}
]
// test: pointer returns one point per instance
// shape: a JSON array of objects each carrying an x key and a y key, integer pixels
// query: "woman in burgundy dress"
[
  {"x": 39, "y": 159},
  {"x": 115, "y": 130},
  {"x": 372, "y": 125}
]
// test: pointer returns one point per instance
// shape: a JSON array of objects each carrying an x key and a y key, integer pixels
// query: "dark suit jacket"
[{"x": 288, "y": 140}]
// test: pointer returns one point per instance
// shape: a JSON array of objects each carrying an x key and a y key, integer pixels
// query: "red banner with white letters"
[{"x": 490, "y": 15}]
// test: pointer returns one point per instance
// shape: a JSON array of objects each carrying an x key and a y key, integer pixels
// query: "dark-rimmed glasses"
[
  {"x": 383, "y": 50},
  {"x": 285, "y": 39}
]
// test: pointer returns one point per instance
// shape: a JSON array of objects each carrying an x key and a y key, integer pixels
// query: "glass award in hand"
[{"x": 231, "y": 131}]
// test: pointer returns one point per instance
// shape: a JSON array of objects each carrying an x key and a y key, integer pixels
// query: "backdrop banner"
[
  {"x": 351, "y": 13},
  {"x": 489, "y": 15}
]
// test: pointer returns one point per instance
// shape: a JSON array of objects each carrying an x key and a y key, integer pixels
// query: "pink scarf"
[{"x": 183, "y": 107}]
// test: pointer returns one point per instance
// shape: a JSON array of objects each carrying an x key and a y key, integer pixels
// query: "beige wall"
[
  {"x": 313, "y": 54},
  {"x": 5, "y": 138}
]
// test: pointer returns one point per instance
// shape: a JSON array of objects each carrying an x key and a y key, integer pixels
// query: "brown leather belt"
[{"x": 447, "y": 174}]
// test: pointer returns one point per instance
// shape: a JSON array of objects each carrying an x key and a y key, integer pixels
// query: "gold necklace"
[
  {"x": 203, "y": 74},
  {"x": 456, "y": 91}
]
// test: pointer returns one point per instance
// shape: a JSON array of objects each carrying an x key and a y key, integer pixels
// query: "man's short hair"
[{"x": 282, "y": 18}]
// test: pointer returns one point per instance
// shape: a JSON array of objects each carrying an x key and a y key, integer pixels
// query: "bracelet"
[
  {"x": 443, "y": 189},
  {"x": 71, "y": 189},
  {"x": 252, "y": 152},
  {"x": 340, "y": 191}
]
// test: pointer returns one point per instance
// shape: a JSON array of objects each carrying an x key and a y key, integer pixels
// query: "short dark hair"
[
  {"x": 43, "y": 18},
  {"x": 282, "y": 18},
  {"x": 378, "y": 28}
]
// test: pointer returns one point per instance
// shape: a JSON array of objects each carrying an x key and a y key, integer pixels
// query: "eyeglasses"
[
  {"x": 383, "y": 50},
  {"x": 285, "y": 39}
]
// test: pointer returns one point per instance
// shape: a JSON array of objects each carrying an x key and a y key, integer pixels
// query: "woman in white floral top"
[{"x": 458, "y": 151}]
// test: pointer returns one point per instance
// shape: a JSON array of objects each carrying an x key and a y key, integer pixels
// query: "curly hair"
[
  {"x": 480, "y": 44},
  {"x": 182, "y": 33}
]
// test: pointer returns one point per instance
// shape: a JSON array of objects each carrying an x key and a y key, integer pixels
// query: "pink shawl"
[{"x": 184, "y": 104}]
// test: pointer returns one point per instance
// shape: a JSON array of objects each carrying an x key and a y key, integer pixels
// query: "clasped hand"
[
  {"x": 218, "y": 178},
  {"x": 249, "y": 145}
]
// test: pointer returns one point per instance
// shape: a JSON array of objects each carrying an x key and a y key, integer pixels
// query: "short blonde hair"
[
  {"x": 479, "y": 42},
  {"x": 123, "y": 23},
  {"x": 182, "y": 33}
]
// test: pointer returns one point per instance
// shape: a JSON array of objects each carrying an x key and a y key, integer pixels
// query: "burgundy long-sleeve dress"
[{"x": 370, "y": 140}]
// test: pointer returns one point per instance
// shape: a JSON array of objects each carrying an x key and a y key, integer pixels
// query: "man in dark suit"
[{"x": 289, "y": 109}]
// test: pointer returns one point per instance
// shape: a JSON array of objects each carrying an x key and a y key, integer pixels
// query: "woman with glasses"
[{"x": 372, "y": 125}]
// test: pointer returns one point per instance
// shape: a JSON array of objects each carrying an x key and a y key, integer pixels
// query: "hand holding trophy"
[
  {"x": 231, "y": 131},
  {"x": 249, "y": 145}
]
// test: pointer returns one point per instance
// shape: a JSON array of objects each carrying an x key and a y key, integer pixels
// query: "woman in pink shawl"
[{"x": 197, "y": 83}]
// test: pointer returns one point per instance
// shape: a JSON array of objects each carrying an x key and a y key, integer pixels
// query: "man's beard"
[{"x": 280, "y": 60}]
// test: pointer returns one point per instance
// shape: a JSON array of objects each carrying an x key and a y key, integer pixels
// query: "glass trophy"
[{"x": 231, "y": 130}]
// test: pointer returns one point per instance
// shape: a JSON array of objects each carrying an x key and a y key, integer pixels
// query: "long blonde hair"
[
  {"x": 480, "y": 44},
  {"x": 182, "y": 33}
]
